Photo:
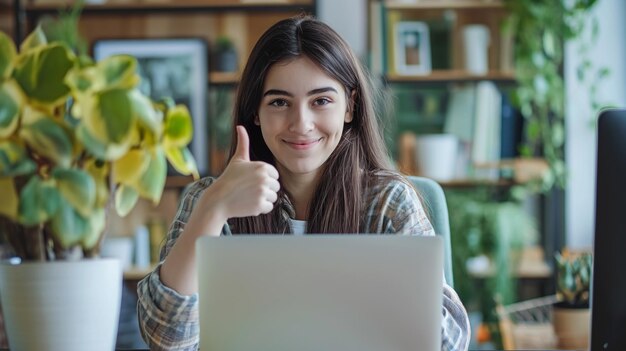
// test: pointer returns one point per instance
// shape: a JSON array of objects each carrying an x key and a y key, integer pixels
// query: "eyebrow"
[{"x": 312, "y": 92}]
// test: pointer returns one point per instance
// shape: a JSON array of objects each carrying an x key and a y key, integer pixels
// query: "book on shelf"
[
  {"x": 511, "y": 129},
  {"x": 486, "y": 140},
  {"x": 488, "y": 126}
]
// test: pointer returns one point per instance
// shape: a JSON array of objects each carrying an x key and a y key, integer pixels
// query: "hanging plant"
[{"x": 540, "y": 29}]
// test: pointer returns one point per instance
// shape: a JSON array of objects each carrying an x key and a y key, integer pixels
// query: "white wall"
[
  {"x": 349, "y": 19},
  {"x": 609, "y": 51}
]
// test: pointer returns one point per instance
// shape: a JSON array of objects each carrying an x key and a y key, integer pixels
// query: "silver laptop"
[{"x": 330, "y": 292}]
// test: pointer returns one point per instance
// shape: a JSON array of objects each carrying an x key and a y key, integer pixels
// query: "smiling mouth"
[{"x": 302, "y": 145}]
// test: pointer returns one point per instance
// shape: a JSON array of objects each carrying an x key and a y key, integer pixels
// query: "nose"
[{"x": 301, "y": 120}]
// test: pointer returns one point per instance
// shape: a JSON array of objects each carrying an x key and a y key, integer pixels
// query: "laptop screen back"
[
  {"x": 336, "y": 292},
  {"x": 608, "y": 293}
]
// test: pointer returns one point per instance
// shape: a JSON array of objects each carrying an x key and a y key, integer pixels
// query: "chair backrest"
[{"x": 435, "y": 203}]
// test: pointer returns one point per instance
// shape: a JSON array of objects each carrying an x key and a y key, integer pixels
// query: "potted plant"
[
  {"x": 539, "y": 30},
  {"x": 225, "y": 55},
  {"x": 76, "y": 138},
  {"x": 571, "y": 315}
]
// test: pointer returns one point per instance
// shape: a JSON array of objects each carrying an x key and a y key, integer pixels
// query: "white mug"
[{"x": 436, "y": 156}]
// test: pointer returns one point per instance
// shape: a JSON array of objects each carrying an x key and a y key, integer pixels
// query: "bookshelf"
[
  {"x": 424, "y": 97},
  {"x": 243, "y": 21}
]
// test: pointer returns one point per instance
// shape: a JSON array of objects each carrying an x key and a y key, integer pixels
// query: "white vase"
[
  {"x": 476, "y": 43},
  {"x": 61, "y": 305}
]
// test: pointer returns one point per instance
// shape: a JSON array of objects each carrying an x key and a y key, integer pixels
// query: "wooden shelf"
[
  {"x": 444, "y": 4},
  {"x": 224, "y": 78},
  {"x": 183, "y": 5},
  {"x": 452, "y": 76}
]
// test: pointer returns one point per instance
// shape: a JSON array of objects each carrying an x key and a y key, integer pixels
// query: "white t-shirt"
[{"x": 297, "y": 227}]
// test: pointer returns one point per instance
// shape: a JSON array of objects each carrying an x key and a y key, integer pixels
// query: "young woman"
[{"x": 307, "y": 157}]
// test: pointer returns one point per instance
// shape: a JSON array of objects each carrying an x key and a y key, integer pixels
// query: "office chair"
[{"x": 434, "y": 201}]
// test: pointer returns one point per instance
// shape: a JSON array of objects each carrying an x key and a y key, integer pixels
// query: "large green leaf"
[
  {"x": 102, "y": 150},
  {"x": 11, "y": 100},
  {"x": 39, "y": 201},
  {"x": 10, "y": 200},
  {"x": 41, "y": 74},
  {"x": 68, "y": 226},
  {"x": 7, "y": 55},
  {"x": 125, "y": 199},
  {"x": 49, "y": 140},
  {"x": 112, "y": 116},
  {"x": 150, "y": 184},
  {"x": 182, "y": 160},
  {"x": 178, "y": 127},
  {"x": 77, "y": 187},
  {"x": 14, "y": 160}
]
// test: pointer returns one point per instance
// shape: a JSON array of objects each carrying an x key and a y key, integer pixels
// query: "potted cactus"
[
  {"x": 571, "y": 315},
  {"x": 76, "y": 138}
]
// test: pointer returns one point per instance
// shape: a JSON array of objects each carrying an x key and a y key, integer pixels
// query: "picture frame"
[
  {"x": 176, "y": 68},
  {"x": 412, "y": 48}
]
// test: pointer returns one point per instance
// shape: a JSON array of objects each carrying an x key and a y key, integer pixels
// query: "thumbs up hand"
[{"x": 245, "y": 188}]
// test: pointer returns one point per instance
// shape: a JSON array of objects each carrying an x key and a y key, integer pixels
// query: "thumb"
[{"x": 242, "y": 152}]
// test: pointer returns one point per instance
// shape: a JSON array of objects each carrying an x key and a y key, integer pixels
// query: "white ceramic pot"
[{"x": 61, "y": 305}]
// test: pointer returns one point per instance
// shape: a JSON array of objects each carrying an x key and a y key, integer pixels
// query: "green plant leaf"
[
  {"x": 99, "y": 171},
  {"x": 128, "y": 168},
  {"x": 77, "y": 187},
  {"x": 81, "y": 81},
  {"x": 146, "y": 114},
  {"x": 125, "y": 199},
  {"x": 178, "y": 127},
  {"x": 119, "y": 72},
  {"x": 150, "y": 184},
  {"x": 68, "y": 226},
  {"x": 11, "y": 100},
  {"x": 10, "y": 199},
  {"x": 39, "y": 201},
  {"x": 95, "y": 227},
  {"x": 49, "y": 140},
  {"x": 33, "y": 40},
  {"x": 182, "y": 160},
  {"x": 14, "y": 161},
  {"x": 112, "y": 117},
  {"x": 98, "y": 148},
  {"x": 8, "y": 52},
  {"x": 41, "y": 74}
]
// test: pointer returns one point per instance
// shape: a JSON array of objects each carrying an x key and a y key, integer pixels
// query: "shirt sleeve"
[
  {"x": 404, "y": 214},
  {"x": 168, "y": 320}
]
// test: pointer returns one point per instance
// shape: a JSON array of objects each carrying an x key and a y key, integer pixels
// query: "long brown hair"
[{"x": 360, "y": 157}]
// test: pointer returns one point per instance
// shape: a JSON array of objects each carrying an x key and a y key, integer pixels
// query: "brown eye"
[
  {"x": 322, "y": 101},
  {"x": 278, "y": 103}
]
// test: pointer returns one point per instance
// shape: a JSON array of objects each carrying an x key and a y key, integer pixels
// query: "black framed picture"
[{"x": 175, "y": 68}]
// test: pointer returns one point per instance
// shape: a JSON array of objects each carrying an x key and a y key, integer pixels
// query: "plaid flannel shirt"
[{"x": 169, "y": 321}]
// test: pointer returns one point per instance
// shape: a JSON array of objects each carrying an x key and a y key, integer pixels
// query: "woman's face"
[{"x": 301, "y": 116}]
